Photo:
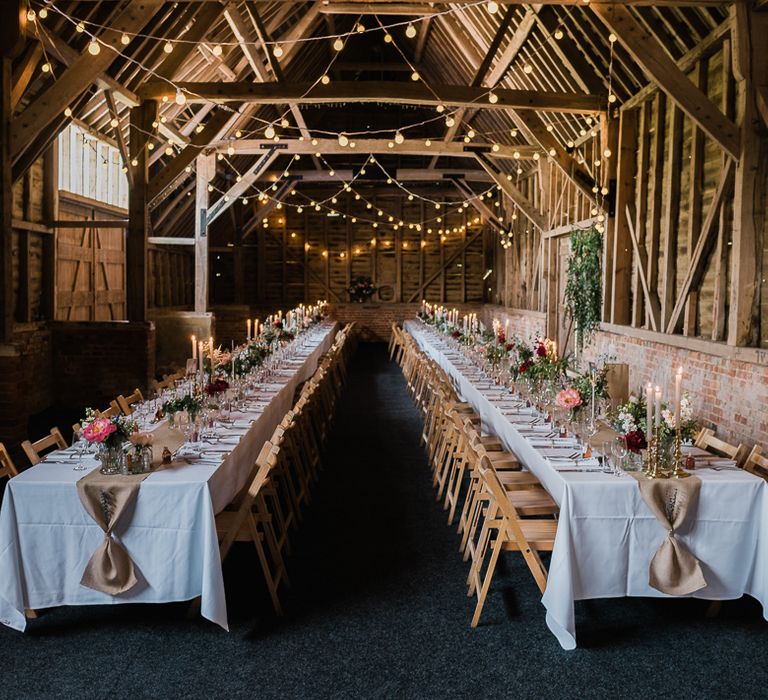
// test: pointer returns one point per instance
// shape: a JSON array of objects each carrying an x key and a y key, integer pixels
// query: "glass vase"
[{"x": 112, "y": 460}]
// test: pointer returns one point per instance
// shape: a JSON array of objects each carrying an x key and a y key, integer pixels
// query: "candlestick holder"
[
  {"x": 677, "y": 472},
  {"x": 653, "y": 468}
]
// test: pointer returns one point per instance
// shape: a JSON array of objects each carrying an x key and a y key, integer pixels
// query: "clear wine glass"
[
  {"x": 619, "y": 452},
  {"x": 82, "y": 446}
]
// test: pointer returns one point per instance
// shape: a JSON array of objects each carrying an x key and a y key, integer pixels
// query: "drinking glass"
[
  {"x": 82, "y": 446},
  {"x": 619, "y": 452}
]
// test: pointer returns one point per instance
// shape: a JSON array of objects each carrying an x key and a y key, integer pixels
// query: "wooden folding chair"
[
  {"x": 757, "y": 463},
  {"x": 35, "y": 450},
  {"x": 247, "y": 523},
  {"x": 126, "y": 402},
  {"x": 706, "y": 440},
  {"x": 111, "y": 412},
  {"x": 512, "y": 533},
  {"x": 7, "y": 467}
]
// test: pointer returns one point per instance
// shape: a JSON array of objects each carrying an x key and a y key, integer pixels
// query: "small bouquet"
[
  {"x": 217, "y": 386},
  {"x": 110, "y": 432},
  {"x": 629, "y": 421},
  {"x": 361, "y": 288}
]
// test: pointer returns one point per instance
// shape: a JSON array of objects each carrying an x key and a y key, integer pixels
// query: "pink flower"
[
  {"x": 568, "y": 398},
  {"x": 141, "y": 439},
  {"x": 99, "y": 430}
]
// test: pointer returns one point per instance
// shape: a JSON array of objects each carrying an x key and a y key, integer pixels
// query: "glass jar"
[{"x": 112, "y": 460}]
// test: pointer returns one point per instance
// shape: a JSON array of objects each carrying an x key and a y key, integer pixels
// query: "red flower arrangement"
[
  {"x": 635, "y": 441},
  {"x": 510, "y": 347},
  {"x": 501, "y": 337},
  {"x": 456, "y": 334},
  {"x": 541, "y": 350},
  {"x": 216, "y": 387},
  {"x": 278, "y": 324},
  {"x": 525, "y": 366}
]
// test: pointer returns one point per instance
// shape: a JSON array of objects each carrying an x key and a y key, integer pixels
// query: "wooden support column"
[
  {"x": 749, "y": 67},
  {"x": 6, "y": 202},
  {"x": 609, "y": 132},
  {"x": 138, "y": 213},
  {"x": 205, "y": 169},
  {"x": 617, "y": 225},
  {"x": 674, "y": 150}
]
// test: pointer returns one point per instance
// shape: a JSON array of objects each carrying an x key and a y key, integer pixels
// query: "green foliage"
[{"x": 583, "y": 289}]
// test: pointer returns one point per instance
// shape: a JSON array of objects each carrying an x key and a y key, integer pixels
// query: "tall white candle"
[
  {"x": 657, "y": 409},
  {"x": 200, "y": 356},
  {"x": 678, "y": 395},
  {"x": 649, "y": 408},
  {"x": 194, "y": 348},
  {"x": 248, "y": 329}
]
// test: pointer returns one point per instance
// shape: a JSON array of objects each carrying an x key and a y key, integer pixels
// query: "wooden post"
[
  {"x": 205, "y": 169},
  {"x": 50, "y": 213},
  {"x": 674, "y": 151},
  {"x": 6, "y": 201},
  {"x": 142, "y": 118},
  {"x": 622, "y": 244},
  {"x": 749, "y": 29}
]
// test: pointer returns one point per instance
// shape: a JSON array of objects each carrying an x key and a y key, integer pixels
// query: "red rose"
[
  {"x": 456, "y": 334},
  {"x": 635, "y": 441},
  {"x": 541, "y": 350},
  {"x": 510, "y": 347},
  {"x": 524, "y": 367},
  {"x": 501, "y": 337}
]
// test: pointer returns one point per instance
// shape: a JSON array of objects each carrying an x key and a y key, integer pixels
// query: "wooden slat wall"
[{"x": 171, "y": 277}]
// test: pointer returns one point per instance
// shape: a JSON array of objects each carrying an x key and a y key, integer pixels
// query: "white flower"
[{"x": 633, "y": 398}]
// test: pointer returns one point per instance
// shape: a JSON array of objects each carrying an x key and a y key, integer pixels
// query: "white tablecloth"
[
  {"x": 606, "y": 535},
  {"x": 47, "y": 538}
]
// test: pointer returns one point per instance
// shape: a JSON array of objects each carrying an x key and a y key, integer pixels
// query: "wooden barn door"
[{"x": 90, "y": 267}]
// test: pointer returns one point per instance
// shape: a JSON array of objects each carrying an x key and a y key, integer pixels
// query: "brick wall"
[
  {"x": 96, "y": 361},
  {"x": 728, "y": 386},
  {"x": 375, "y": 320},
  {"x": 26, "y": 381}
]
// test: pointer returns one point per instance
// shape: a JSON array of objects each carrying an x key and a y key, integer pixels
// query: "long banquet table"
[
  {"x": 47, "y": 537},
  {"x": 607, "y": 535}
]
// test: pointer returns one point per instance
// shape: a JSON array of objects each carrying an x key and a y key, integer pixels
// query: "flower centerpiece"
[
  {"x": 109, "y": 434},
  {"x": 361, "y": 289},
  {"x": 216, "y": 387},
  {"x": 568, "y": 399}
]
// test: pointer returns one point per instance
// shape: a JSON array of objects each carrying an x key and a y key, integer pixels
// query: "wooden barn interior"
[{"x": 171, "y": 169}]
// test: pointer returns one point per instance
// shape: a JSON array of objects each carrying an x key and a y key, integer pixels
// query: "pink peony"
[
  {"x": 141, "y": 439},
  {"x": 99, "y": 430},
  {"x": 568, "y": 398}
]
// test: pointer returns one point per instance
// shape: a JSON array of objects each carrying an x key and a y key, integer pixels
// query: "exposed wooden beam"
[
  {"x": 52, "y": 102},
  {"x": 25, "y": 71},
  {"x": 353, "y": 92},
  {"x": 240, "y": 30},
  {"x": 651, "y": 297},
  {"x": 205, "y": 170},
  {"x": 704, "y": 244},
  {"x": 342, "y": 175},
  {"x": 407, "y": 9},
  {"x": 118, "y": 132},
  {"x": 479, "y": 206},
  {"x": 375, "y": 146},
  {"x": 421, "y": 40},
  {"x": 513, "y": 192},
  {"x": 170, "y": 240},
  {"x": 657, "y": 64},
  {"x": 239, "y": 188},
  {"x": 505, "y": 60}
]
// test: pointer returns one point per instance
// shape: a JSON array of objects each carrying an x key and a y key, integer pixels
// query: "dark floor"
[{"x": 378, "y": 608}]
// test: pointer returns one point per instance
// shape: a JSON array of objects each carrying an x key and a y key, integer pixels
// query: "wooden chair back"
[
  {"x": 111, "y": 412},
  {"x": 53, "y": 441},
  {"x": 757, "y": 463},
  {"x": 7, "y": 467},
  {"x": 126, "y": 402},
  {"x": 706, "y": 440}
]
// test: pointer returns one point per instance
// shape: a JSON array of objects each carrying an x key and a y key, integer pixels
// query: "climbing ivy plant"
[{"x": 583, "y": 289}]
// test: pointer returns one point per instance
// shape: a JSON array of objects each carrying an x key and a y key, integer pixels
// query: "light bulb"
[
  {"x": 114, "y": 123},
  {"x": 410, "y": 31},
  {"x": 612, "y": 38},
  {"x": 528, "y": 69},
  {"x": 135, "y": 163},
  {"x": 46, "y": 67},
  {"x": 558, "y": 33},
  {"x": 199, "y": 128},
  {"x": 93, "y": 47},
  {"x": 325, "y": 79},
  {"x": 427, "y": 143},
  {"x": 493, "y": 7},
  {"x": 399, "y": 138},
  {"x": 607, "y": 153},
  {"x": 31, "y": 15},
  {"x": 343, "y": 140},
  {"x": 217, "y": 50},
  {"x": 284, "y": 123},
  {"x": 388, "y": 38},
  {"x": 230, "y": 150},
  {"x": 210, "y": 188},
  {"x": 169, "y": 150},
  {"x": 493, "y": 98},
  {"x": 125, "y": 40},
  {"x": 80, "y": 27},
  {"x": 570, "y": 144},
  {"x": 495, "y": 148},
  {"x": 440, "y": 108},
  {"x": 67, "y": 112},
  {"x": 269, "y": 132},
  {"x": 449, "y": 121},
  {"x": 611, "y": 98},
  {"x": 536, "y": 156},
  {"x": 415, "y": 76},
  {"x": 168, "y": 47},
  {"x": 338, "y": 45},
  {"x": 314, "y": 142},
  {"x": 151, "y": 146},
  {"x": 277, "y": 52},
  {"x": 360, "y": 28},
  {"x": 181, "y": 98},
  {"x": 471, "y": 133},
  {"x": 552, "y": 152}
]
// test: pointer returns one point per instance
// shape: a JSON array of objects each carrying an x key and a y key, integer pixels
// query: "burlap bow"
[{"x": 674, "y": 570}]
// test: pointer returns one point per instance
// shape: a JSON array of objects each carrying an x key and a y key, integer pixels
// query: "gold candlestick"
[
  {"x": 654, "y": 470},
  {"x": 677, "y": 472}
]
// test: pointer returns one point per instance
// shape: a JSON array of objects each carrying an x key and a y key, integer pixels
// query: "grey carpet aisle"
[{"x": 378, "y": 608}]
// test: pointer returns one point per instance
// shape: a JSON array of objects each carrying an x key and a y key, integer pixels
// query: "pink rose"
[
  {"x": 141, "y": 439},
  {"x": 99, "y": 430},
  {"x": 569, "y": 398}
]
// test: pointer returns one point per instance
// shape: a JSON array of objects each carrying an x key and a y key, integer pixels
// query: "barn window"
[{"x": 91, "y": 167}]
